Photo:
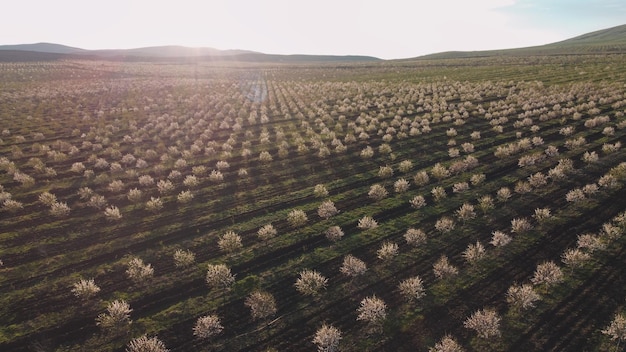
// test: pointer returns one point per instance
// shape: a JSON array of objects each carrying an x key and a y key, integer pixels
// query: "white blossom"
[
  {"x": 366, "y": 223},
  {"x": 474, "y": 252},
  {"x": 219, "y": 276},
  {"x": 266, "y": 232},
  {"x": 310, "y": 283},
  {"x": 446, "y": 344},
  {"x": 327, "y": 338},
  {"x": 112, "y": 213},
  {"x": 320, "y": 191},
  {"x": 486, "y": 322},
  {"x": 138, "y": 271},
  {"x": 443, "y": 269},
  {"x": 334, "y": 233},
  {"x": 85, "y": 288},
  {"x": 297, "y": 218},
  {"x": 146, "y": 344},
  {"x": 262, "y": 304},
  {"x": 548, "y": 274},
  {"x": 412, "y": 288},
  {"x": 183, "y": 259},
  {"x": 617, "y": 328},
  {"x": 522, "y": 296},
  {"x": 230, "y": 242},
  {"x": 415, "y": 237},
  {"x": 353, "y": 266},
  {"x": 418, "y": 202},
  {"x": 207, "y": 326},
  {"x": 500, "y": 239},
  {"x": 372, "y": 310},
  {"x": 401, "y": 185},
  {"x": 116, "y": 316},
  {"x": 444, "y": 225},
  {"x": 327, "y": 209},
  {"x": 387, "y": 251},
  {"x": 377, "y": 192}
]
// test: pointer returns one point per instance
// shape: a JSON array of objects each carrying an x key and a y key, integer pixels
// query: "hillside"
[
  {"x": 29, "y": 56},
  {"x": 612, "y": 36},
  {"x": 44, "y": 48},
  {"x": 51, "y": 52},
  {"x": 606, "y": 41},
  {"x": 167, "y": 51}
]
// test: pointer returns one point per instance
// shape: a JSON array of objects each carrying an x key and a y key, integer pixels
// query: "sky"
[{"x": 388, "y": 29}]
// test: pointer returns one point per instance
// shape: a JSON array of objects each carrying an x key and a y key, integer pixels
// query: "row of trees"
[{"x": 149, "y": 145}]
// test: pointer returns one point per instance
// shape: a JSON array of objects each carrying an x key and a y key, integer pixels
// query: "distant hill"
[
  {"x": 605, "y": 41},
  {"x": 44, "y": 48},
  {"x": 48, "y": 51},
  {"x": 168, "y": 51},
  {"x": 259, "y": 57},
  {"x": 614, "y": 36},
  {"x": 23, "y": 56}
]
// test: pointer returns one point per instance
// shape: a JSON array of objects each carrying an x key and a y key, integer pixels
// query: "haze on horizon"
[{"x": 389, "y": 30}]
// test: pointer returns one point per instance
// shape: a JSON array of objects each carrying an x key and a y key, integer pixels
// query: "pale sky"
[{"x": 387, "y": 29}]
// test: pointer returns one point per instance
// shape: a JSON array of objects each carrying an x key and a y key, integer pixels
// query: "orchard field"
[{"x": 445, "y": 205}]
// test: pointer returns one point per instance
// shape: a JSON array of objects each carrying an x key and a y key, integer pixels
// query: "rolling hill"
[
  {"x": 606, "y": 41},
  {"x": 50, "y": 51},
  {"x": 44, "y": 48}
]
